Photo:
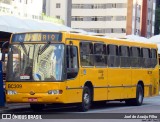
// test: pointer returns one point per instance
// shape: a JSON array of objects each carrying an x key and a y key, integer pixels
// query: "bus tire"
[
  {"x": 86, "y": 100},
  {"x": 37, "y": 107},
  {"x": 139, "y": 97}
]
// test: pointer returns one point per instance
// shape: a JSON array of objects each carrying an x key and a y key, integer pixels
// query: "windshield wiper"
[
  {"x": 24, "y": 48},
  {"x": 44, "y": 48}
]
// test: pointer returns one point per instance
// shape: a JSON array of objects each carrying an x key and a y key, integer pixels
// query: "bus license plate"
[{"x": 32, "y": 99}]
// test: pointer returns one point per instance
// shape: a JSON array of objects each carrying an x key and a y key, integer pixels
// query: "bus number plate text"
[{"x": 32, "y": 99}]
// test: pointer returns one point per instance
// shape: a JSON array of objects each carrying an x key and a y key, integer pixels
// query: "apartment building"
[
  {"x": 115, "y": 18},
  {"x": 24, "y": 8},
  {"x": 141, "y": 17},
  {"x": 61, "y": 9}
]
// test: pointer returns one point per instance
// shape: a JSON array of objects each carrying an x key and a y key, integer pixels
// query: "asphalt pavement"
[{"x": 114, "y": 109}]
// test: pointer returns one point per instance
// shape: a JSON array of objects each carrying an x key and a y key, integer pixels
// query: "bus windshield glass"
[{"x": 26, "y": 64}]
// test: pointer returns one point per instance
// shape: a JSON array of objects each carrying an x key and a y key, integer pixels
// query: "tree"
[{"x": 6, "y": 1}]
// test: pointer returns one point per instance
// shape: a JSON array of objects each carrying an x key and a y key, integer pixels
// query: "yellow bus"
[{"x": 65, "y": 68}]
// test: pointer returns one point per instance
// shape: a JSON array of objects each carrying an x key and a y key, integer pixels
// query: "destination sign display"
[{"x": 37, "y": 36}]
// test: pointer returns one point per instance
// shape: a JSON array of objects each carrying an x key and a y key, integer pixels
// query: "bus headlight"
[
  {"x": 11, "y": 92},
  {"x": 55, "y": 92}
]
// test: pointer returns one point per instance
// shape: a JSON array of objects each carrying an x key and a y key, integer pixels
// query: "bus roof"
[
  {"x": 118, "y": 41},
  {"x": 101, "y": 38}
]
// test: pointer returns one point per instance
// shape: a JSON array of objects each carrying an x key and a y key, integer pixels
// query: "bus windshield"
[{"x": 26, "y": 64}]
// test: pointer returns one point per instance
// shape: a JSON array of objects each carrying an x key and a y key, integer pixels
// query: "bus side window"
[
  {"x": 146, "y": 60},
  {"x": 86, "y": 56},
  {"x": 135, "y": 57},
  {"x": 124, "y": 56},
  {"x": 72, "y": 62},
  {"x": 100, "y": 54},
  {"x": 153, "y": 57},
  {"x": 113, "y": 56}
]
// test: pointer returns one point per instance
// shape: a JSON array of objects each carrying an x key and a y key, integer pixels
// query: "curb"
[
  {"x": 7, "y": 105},
  {"x": 16, "y": 104},
  {"x": 3, "y": 108},
  {"x": 13, "y": 106}
]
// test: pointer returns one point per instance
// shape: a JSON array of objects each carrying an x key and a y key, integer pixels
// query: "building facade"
[
  {"x": 115, "y": 18},
  {"x": 61, "y": 9},
  {"x": 23, "y": 8},
  {"x": 104, "y": 17},
  {"x": 141, "y": 17}
]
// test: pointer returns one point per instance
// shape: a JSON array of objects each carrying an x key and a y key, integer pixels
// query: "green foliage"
[
  {"x": 158, "y": 14},
  {"x": 157, "y": 19},
  {"x": 5, "y": 1},
  {"x": 52, "y": 19}
]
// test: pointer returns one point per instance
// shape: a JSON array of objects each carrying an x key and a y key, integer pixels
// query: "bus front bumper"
[{"x": 37, "y": 98}]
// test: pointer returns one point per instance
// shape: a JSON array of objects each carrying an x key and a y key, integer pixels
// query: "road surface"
[{"x": 151, "y": 106}]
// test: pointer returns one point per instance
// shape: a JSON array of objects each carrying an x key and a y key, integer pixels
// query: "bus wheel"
[
  {"x": 37, "y": 107},
  {"x": 139, "y": 97},
  {"x": 86, "y": 100}
]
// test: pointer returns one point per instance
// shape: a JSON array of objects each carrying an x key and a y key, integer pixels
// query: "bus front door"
[{"x": 73, "y": 89}]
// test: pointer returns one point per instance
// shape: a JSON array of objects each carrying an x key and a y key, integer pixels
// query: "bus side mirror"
[{"x": 4, "y": 50}]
